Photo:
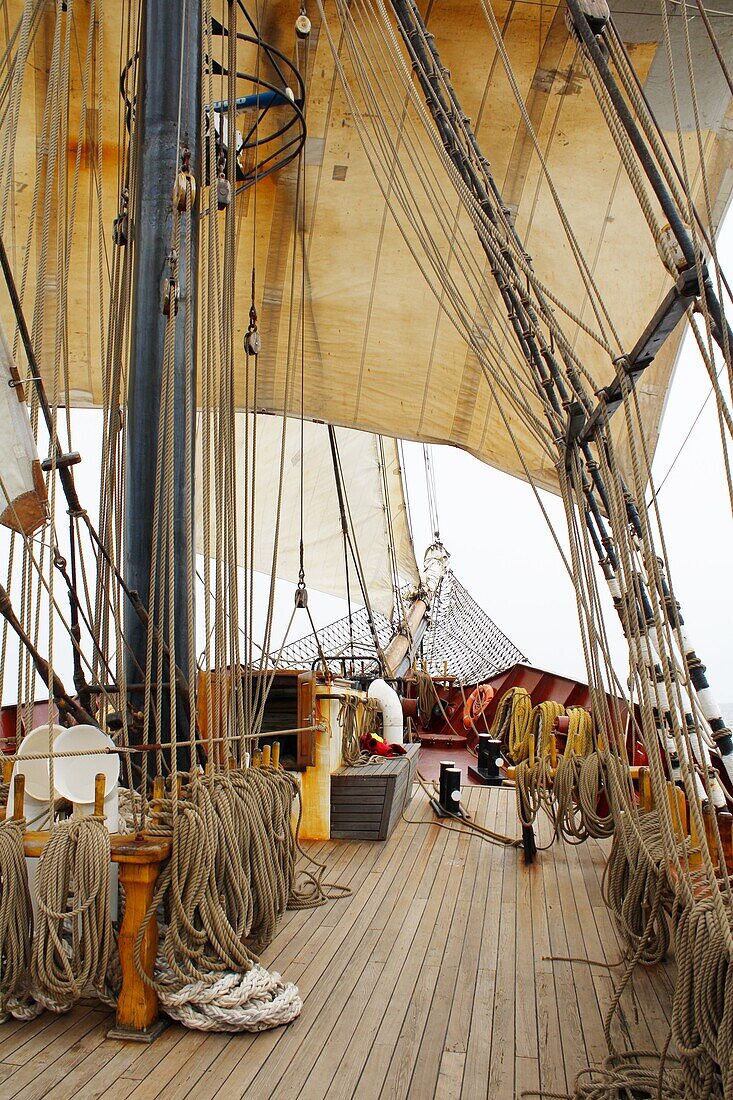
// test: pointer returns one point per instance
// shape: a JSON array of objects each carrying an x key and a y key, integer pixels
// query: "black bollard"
[
  {"x": 488, "y": 763},
  {"x": 452, "y": 801},
  {"x": 444, "y": 765}
]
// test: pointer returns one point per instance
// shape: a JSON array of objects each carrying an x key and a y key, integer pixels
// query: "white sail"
[
  {"x": 22, "y": 488},
  {"x": 374, "y": 500},
  {"x": 381, "y": 354}
]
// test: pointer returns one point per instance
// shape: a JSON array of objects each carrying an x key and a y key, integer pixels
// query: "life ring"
[{"x": 476, "y": 704}]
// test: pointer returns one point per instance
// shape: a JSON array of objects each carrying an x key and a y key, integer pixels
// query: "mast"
[
  {"x": 400, "y": 653},
  {"x": 167, "y": 133}
]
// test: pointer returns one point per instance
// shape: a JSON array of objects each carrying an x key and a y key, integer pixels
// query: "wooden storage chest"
[{"x": 366, "y": 802}]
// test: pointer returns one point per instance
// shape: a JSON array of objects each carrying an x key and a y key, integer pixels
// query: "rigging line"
[
  {"x": 361, "y": 576},
  {"x": 432, "y": 491},
  {"x": 405, "y": 487},
  {"x": 344, "y": 528},
  {"x": 692, "y": 427},
  {"x": 180, "y": 80},
  {"x": 470, "y": 335},
  {"x": 715, "y": 44},
  {"x": 391, "y": 543}
]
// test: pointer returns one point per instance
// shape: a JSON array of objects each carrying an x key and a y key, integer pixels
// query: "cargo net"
[{"x": 460, "y": 635}]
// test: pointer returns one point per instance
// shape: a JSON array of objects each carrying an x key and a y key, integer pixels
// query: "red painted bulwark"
[{"x": 448, "y": 730}]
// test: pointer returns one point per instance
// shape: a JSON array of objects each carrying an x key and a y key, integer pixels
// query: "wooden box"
[{"x": 366, "y": 802}]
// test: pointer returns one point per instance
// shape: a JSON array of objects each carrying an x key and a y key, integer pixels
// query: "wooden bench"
[{"x": 366, "y": 802}]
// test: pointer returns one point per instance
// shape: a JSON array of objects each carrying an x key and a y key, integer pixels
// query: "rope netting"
[{"x": 459, "y": 635}]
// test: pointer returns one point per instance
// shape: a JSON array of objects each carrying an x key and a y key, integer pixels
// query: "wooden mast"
[{"x": 167, "y": 131}]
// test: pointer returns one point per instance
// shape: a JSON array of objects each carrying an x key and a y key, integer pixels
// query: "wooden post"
[
  {"x": 140, "y": 862},
  {"x": 646, "y": 798},
  {"x": 137, "y": 1005},
  {"x": 100, "y": 783},
  {"x": 707, "y": 817},
  {"x": 18, "y": 797},
  {"x": 694, "y": 858},
  {"x": 725, "y": 827},
  {"x": 677, "y": 798}
]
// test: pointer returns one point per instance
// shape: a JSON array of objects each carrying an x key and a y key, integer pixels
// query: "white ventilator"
[{"x": 389, "y": 704}]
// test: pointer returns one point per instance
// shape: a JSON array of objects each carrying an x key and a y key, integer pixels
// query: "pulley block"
[{"x": 184, "y": 182}]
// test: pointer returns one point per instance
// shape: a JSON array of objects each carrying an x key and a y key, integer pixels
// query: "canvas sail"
[
  {"x": 375, "y": 503},
  {"x": 381, "y": 352},
  {"x": 22, "y": 488}
]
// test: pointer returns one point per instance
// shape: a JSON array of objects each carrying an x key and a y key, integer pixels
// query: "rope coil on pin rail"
[
  {"x": 74, "y": 864},
  {"x": 16, "y": 924},
  {"x": 232, "y": 873}
]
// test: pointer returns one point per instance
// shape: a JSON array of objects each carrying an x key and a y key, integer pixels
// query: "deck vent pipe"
[{"x": 391, "y": 709}]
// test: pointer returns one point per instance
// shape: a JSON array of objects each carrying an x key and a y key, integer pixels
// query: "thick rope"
[
  {"x": 16, "y": 923},
  {"x": 73, "y": 940}
]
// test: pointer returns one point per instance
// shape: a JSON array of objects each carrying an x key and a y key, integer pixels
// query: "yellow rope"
[{"x": 512, "y": 723}]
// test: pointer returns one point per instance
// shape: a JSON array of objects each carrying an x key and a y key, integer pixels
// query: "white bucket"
[
  {"x": 36, "y": 772},
  {"x": 74, "y": 775}
]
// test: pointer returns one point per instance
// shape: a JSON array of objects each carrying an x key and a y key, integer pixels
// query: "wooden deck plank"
[
  {"x": 341, "y": 963},
  {"x": 47, "y": 1066},
  {"x": 386, "y": 1009},
  {"x": 433, "y": 978},
  {"x": 551, "y": 1063},
  {"x": 478, "y": 1055}
]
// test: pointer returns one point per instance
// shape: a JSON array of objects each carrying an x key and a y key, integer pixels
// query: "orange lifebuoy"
[{"x": 476, "y": 704}]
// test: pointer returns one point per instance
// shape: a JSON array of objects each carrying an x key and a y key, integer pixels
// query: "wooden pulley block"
[{"x": 184, "y": 182}]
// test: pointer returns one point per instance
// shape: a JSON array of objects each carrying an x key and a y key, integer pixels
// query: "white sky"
[{"x": 502, "y": 551}]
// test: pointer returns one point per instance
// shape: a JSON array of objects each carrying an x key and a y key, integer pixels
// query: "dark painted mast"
[{"x": 167, "y": 137}]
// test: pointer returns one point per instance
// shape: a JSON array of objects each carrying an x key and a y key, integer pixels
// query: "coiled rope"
[
  {"x": 512, "y": 723},
  {"x": 230, "y": 877},
  {"x": 353, "y": 729},
  {"x": 542, "y": 724},
  {"x": 73, "y": 938},
  {"x": 634, "y": 877},
  {"x": 16, "y": 923}
]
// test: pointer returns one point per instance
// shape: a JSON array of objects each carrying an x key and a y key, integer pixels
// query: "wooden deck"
[{"x": 431, "y": 980}]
